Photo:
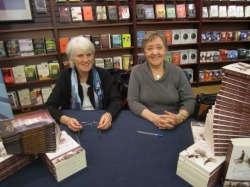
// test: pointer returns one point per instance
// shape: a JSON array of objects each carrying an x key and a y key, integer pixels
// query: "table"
[{"x": 118, "y": 157}]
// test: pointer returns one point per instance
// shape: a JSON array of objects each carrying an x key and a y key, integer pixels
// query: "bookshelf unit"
[{"x": 48, "y": 25}]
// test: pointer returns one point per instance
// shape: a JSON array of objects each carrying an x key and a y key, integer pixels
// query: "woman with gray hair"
[{"x": 83, "y": 86}]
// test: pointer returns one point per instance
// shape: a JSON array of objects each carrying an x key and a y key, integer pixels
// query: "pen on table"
[{"x": 149, "y": 133}]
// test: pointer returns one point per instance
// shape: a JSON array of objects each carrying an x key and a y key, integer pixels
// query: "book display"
[{"x": 183, "y": 23}]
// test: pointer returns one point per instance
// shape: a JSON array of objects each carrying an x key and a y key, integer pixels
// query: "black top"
[{"x": 61, "y": 93}]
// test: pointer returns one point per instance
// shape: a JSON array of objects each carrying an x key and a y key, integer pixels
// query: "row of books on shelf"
[
  {"x": 223, "y": 11},
  {"x": 85, "y": 13},
  {"x": 214, "y": 36},
  {"x": 224, "y": 55},
  {"x": 26, "y": 73},
  {"x": 176, "y": 36},
  {"x": 165, "y": 11},
  {"x": 27, "y": 47},
  {"x": 210, "y": 75},
  {"x": 25, "y": 97},
  {"x": 120, "y": 62},
  {"x": 185, "y": 56},
  {"x": 102, "y": 41}
]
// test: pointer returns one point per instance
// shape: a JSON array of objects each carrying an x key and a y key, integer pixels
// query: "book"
[
  {"x": 140, "y": 35},
  {"x": 63, "y": 42},
  {"x": 13, "y": 99},
  {"x": 160, "y": 11},
  {"x": 191, "y": 10},
  {"x": 239, "y": 69},
  {"x": 87, "y": 13},
  {"x": 19, "y": 74},
  {"x": 205, "y": 12},
  {"x": 116, "y": 40},
  {"x": 222, "y": 11},
  {"x": 8, "y": 75},
  {"x": 43, "y": 71},
  {"x": 117, "y": 62},
  {"x": 64, "y": 13},
  {"x": 176, "y": 58},
  {"x": 3, "y": 52},
  {"x": 50, "y": 45},
  {"x": 192, "y": 56},
  {"x": 30, "y": 72},
  {"x": 231, "y": 11},
  {"x": 40, "y": 6},
  {"x": 197, "y": 129},
  {"x": 105, "y": 41},
  {"x": 123, "y": 12},
  {"x": 54, "y": 69},
  {"x": 140, "y": 11},
  {"x": 101, "y": 14},
  {"x": 149, "y": 11},
  {"x": 183, "y": 56},
  {"x": 26, "y": 47},
  {"x": 176, "y": 36},
  {"x": 39, "y": 46},
  {"x": 170, "y": 11},
  {"x": 181, "y": 11},
  {"x": 127, "y": 61},
  {"x": 5, "y": 103},
  {"x": 68, "y": 158},
  {"x": 76, "y": 14},
  {"x": 24, "y": 97},
  {"x": 36, "y": 96},
  {"x": 12, "y": 47},
  {"x": 108, "y": 63},
  {"x": 112, "y": 13},
  {"x": 46, "y": 91},
  {"x": 247, "y": 11},
  {"x": 236, "y": 166},
  {"x": 168, "y": 36},
  {"x": 99, "y": 62},
  {"x": 96, "y": 40},
  {"x": 126, "y": 40},
  {"x": 213, "y": 11}
]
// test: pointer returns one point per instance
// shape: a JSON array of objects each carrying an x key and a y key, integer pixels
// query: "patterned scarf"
[{"x": 98, "y": 92}]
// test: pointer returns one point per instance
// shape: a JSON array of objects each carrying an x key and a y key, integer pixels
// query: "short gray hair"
[
  {"x": 149, "y": 36},
  {"x": 79, "y": 42}
]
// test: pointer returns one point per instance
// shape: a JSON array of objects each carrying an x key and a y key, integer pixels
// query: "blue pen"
[{"x": 149, "y": 133}]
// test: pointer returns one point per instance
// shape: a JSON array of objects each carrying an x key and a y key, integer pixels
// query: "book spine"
[
  {"x": 233, "y": 108},
  {"x": 235, "y": 115},
  {"x": 236, "y": 97},
  {"x": 228, "y": 118},
  {"x": 243, "y": 133},
  {"x": 229, "y": 103},
  {"x": 227, "y": 161},
  {"x": 232, "y": 101},
  {"x": 236, "y": 80}
]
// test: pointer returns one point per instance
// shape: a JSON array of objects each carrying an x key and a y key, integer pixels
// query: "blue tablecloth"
[{"x": 119, "y": 157}]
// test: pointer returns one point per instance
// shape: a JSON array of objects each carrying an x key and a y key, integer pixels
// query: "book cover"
[
  {"x": 112, "y": 13},
  {"x": 101, "y": 14},
  {"x": 123, "y": 12},
  {"x": 117, "y": 62},
  {"x": 205, "y": 12},
  {"x": 238, "y": 69},
  {"x": 50, "y": 45},
  {"x": 160, "y": 11},
  {"x": 105, "y": 41},
  {"x": 39, "y": 46},
  {"x": 127, "y": 61},
  {"x": 140, "y": 35},
  {"x": 96, "y": 40},
  {"x": 183, "y": 56},
  {"x": 40, "y": 6},
  {"x": 169, "y": 56},
  {"x": 13, "y": 99},
  {"x": 30, "y": 72},
  {"x": 170, "y": 11},
  {"x": 64, "y": 13},
  {"x": 19, "y": 74},
  {"x": 176, "y": 57},
  {"x": 222, "y": 11},
  {"x": 181, "y": 11},
  {"x": 140, "y": 11},
  {"x": 126, "y": 40},
  {"x": 108, "y": 63},
  {"x": 43, "y": 71},
  {"x": 192, "y": 56},
  {"x": 63, "y": 42},
  {"x": 231, "y": 11},
  {"x": 176, "y": 36},
  {"x": 247, "y": 11},
  {"x": 168, "y": 36},
  {"x": 185, "y": 36},
  {"x": 26, "y": 47},
  {"x": 76, "y": 14},
  {"x": 54, "y": 69},
  {"x": 191, "y": 10},
  {"x": 197, "y": 130},
  {"x": 149, "y": 11},
  {"x": 24, "y": 97},
  {"x": 8, "y": 75},
  {"x": 46, "y": 91},
  {"x": 87, "y": 13},
  {"x": 99, "y": 62},
  {"x": 12, "y": 47},
  {"x": 36, "y": 96},
  {"x": 116, "y": 40},
  {"x": 3, "y": 52},
  {"x": 213, "y": 11}
]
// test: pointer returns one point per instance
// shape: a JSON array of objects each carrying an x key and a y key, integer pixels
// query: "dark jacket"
[{"x": 60, "y": 97}]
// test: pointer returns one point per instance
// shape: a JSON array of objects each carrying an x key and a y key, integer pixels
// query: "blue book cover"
[
  {"x": 6, "y": 111},
  {"x": 116, "y": 40},
  {"x": 140, "y": 35}
]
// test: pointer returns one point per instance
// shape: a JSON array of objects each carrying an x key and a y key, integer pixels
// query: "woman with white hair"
[{"x": 83, "y": 86}]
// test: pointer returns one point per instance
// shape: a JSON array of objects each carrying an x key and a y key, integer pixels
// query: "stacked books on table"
[
  {"x": 10, "y": 164},
  {"x": 230, "y": 116},
  {"x": 68, "y": 159},
  {"x": 198, "y": 166},
  {"x": 36, "y": 132}
]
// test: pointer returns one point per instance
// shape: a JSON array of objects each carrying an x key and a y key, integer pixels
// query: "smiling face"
[
  {"x": 83, "y": 60},
  {"x": 155, "y": 51}
]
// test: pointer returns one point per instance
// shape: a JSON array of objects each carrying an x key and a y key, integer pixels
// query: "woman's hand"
[
  {"x": 72, "y": 123},
  {"x": 105, "y": 121}
]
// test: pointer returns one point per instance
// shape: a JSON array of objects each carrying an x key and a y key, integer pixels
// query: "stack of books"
[
  {"x": 68, "y": 159},
  {"x": 229, "y": 117},
  {"x": 198, "y": 166},
  {"x": 36, "y": 132},
  {"x": 10, "y": 164}
]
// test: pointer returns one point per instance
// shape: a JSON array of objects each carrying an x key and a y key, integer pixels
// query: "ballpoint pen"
[{"x": 149, "y": 133}]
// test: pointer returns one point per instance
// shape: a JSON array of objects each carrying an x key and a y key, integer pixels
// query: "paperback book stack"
[
  {"x": 36, "y": 132},
  {"x": 230, "y": 116},
  {"x": 236, "y": 170},
  {"x": 10, "y": 164},
  {"x": 68, "y": 159},
  {"x": 198, "y": 166}
]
